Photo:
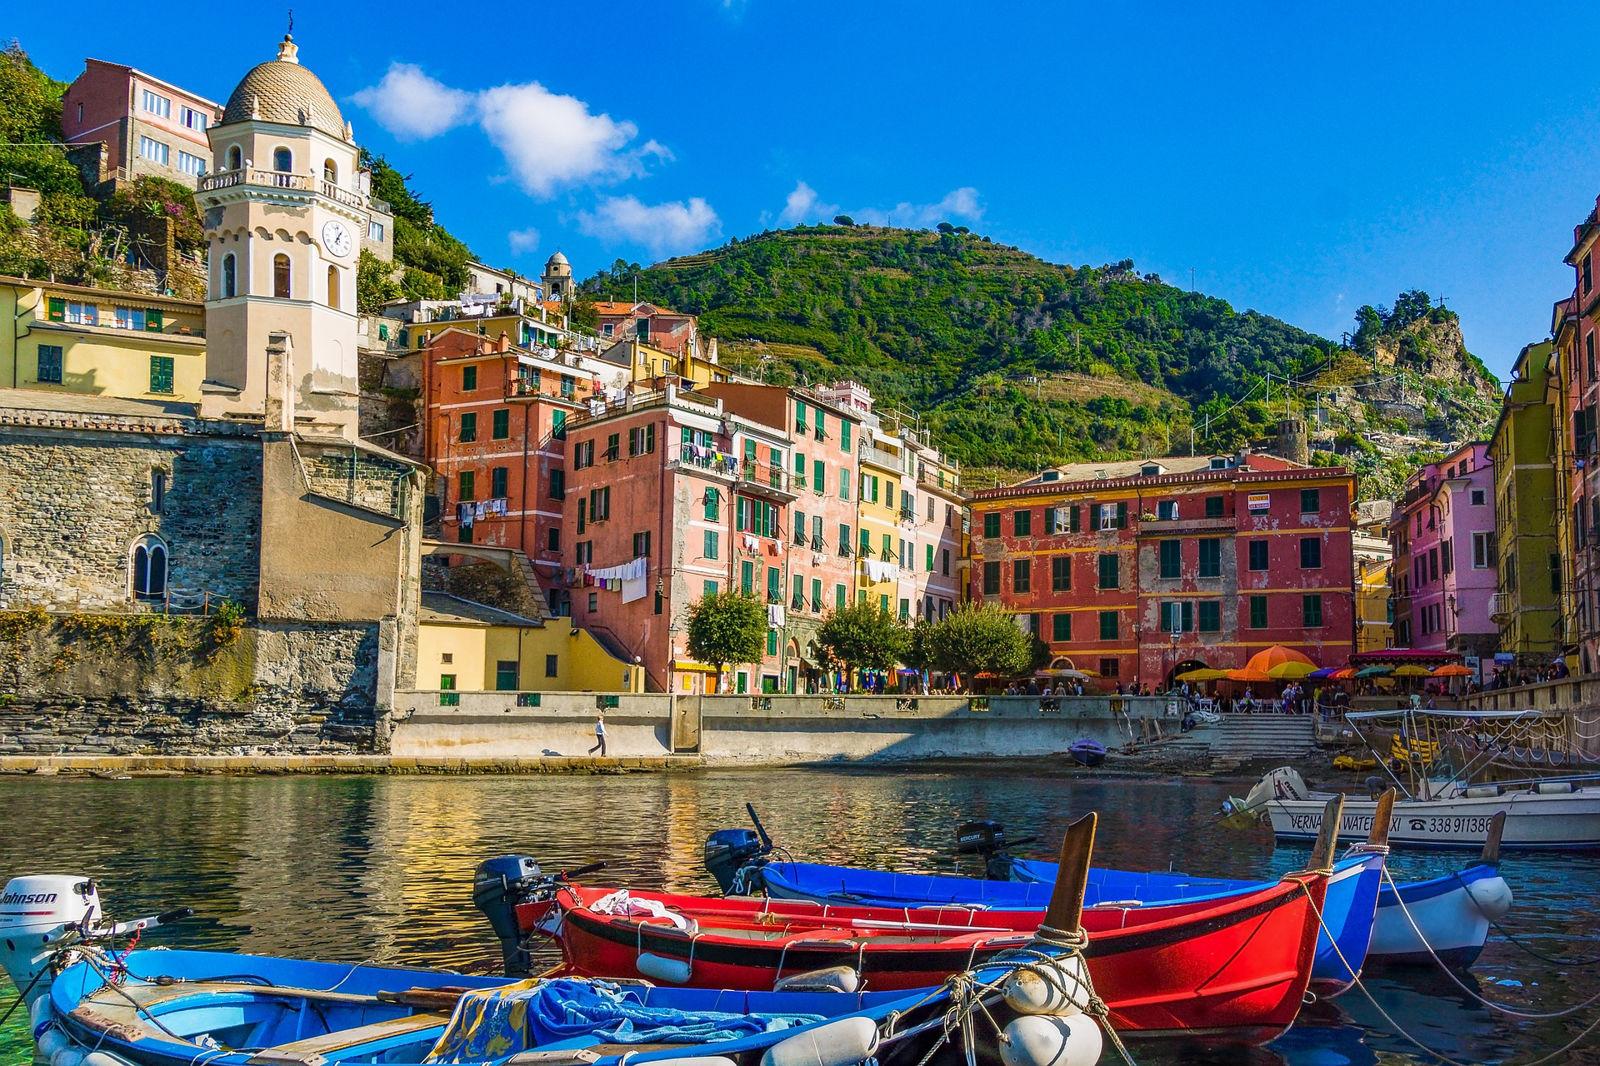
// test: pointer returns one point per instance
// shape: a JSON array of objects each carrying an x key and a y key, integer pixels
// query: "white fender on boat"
[
  {"x": 827, "y": 979},
  {"x": 1048, "y": 987},
  {"x": 39, "y": 1011},
  {"x": 844, "y": 1042},
  {"x": 1036, "y": 1040},
  {"x": 672, "y": 971},
  {"x": 68, "y": 1056},
  {"x": 51, "y": 1042},
  {"x": 692, "y": 1060},
  {"x": 1492, "y": 895}
]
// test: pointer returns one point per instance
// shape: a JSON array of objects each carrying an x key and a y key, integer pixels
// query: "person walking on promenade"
[{"x": 599, "y": 734}]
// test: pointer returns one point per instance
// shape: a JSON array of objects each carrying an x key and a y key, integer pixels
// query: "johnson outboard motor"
[
  {"x": 986, "y": 838},
  {"x": 731, "y": 851},
  {"x": 42, "y": 914},
  {"x": 498, "y": 885}
]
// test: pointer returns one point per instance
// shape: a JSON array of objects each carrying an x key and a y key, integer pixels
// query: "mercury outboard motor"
[
  {"x": 730, "y": 851},
  {"x": 498, "y": 885},
  {"x": 986, "y": 838}
]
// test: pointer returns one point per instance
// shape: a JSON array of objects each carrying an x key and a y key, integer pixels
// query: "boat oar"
[
  {"x": 1328, "y": 836},
  {"x": 1064, "y": 916},
  {"x": 1378, "y": 836},
  {"x": 1491, "y": 843}
]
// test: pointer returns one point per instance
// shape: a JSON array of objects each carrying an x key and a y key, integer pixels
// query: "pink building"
[
  {"x": 669, "y": 498},
  {"x": 1444, "y": 573},
  {"x": 148, "y": 126}
]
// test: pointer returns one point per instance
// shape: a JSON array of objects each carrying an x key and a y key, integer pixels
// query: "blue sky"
[{"x": 1299, "y": 159}]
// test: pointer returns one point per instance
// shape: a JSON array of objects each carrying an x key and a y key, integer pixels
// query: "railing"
[
  {"x": 275, "y": 179},
  {"x": 765, "y": 475},
  {"x": 1182, "y": 525},
  {"x": 344, "y": 196},
  {"x": 1502, "y": 605}
]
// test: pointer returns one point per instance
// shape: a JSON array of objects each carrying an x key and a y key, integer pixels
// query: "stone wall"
[
  {"x": 72, "y": 503},
  {"x": 152, "y": 685}
]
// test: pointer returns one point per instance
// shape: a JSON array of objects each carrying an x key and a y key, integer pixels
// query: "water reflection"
[{"x": 379, "y": 868}]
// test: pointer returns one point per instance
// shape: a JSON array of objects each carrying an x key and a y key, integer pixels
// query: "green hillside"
[{"x": 1014, "y": 362}]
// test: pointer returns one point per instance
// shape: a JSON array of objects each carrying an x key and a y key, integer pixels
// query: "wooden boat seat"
[{"x": 348, "y": 1038}]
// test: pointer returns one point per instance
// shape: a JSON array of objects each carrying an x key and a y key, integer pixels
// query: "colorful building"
[
  {"x": 653, "y": 367},
  {"x": 1369, "y": 545},
  {"x": 671, "y": 497},
  {"x": 471, "y": 647},
  {"x": 669, "y": 331},
  {"x": 1577, "y": 578},
  {"x": 824, "y": 442},
  {"x": 1526, "y": 606},
  {"x": 101, "y": 342},
  {"x": 1444, "y": 572},
  {"x": 1141, "y": 569},
  {"x": 1577, "y": 335},
  {"x": 147, "y": 126},
  {"x": 494, "y": 428}
]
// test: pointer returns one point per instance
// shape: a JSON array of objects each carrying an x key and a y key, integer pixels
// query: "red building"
[
  {"x": 148, "y": 126},
  {"x": 493, "y": 427},
  {"x": 669, "y": 498},
  {"x": 670, "y": 331},
  {"x": 1138, "y": 570}
]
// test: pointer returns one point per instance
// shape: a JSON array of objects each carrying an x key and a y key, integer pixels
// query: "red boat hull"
[{"x": 1236, "y": 971}]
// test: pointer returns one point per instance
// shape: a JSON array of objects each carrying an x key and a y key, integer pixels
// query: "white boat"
[
  {"x": 1444, "y": 811},
  {"x": 1447, "y": 917}
]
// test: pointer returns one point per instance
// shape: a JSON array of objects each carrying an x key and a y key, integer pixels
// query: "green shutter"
[
  {"x": 1072, "y": 523},
  {"x": 58, "y": 309},
  {"x": 1122, "y": 514},
  {"x": 152, "y": 321},
  {"x": 161, "y": 374}
]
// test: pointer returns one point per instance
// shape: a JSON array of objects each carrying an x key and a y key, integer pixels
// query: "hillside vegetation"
[{"x": 1016, "y": 363}]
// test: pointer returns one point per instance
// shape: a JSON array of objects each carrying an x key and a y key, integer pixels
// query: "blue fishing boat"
[{"x": 1348, "y": 912}]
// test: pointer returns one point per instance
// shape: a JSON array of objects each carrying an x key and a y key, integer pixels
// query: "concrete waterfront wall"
[{"x": 759, "y": 730}]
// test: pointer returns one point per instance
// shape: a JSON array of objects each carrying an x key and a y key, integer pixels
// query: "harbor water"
[{"x": 379, "y": 869}]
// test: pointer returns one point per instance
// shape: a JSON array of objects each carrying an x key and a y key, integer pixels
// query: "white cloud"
[
  {"x": 413, "y": 106},
  {"x": 804, "y": 205},
  {"x": 523, "y": 240},
  {"x": 674, "y": 226},
  {"x": 549, "y": 140},
  {"x": 552, "y": 140},
  {"x": 958, "y": 203}
]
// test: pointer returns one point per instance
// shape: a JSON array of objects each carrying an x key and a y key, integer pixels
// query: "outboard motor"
[
  {"x": 498, "y": 885},
  {"x": 986, "y": 838},
  {"x": 36, "y": 915},
  {"x": 728, "y": 851}
]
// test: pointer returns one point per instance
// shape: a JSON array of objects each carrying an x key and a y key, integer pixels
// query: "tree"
[
  {"x": 843, "y": 220},
  {"x": 860, "y": 636},
  {"x": 583, "y": 315},
  {"x": 375, "y": 284},
  {"x": 727, "y": 627},
  {"x": 150, "y": 197},
  {"x": 979, "y": 638}
]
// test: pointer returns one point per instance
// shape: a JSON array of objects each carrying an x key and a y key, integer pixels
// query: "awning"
[{"x": 691, "y": 666}]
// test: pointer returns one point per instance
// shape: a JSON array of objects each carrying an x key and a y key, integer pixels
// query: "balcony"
[
  {"x": 767, "y": 480},
  {"x": 272, "y": 179},
  {"x": 1502, "y": 607},
  {"x": 1167, "y": 526}
]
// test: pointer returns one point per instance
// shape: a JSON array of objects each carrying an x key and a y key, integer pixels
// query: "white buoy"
[
  {"x": 844, "y": 1042},
  {"x": 1492, "y": 896},
  {"x": 1054, "y": 987},
  {"x": 661, "y": 968},
  {"x": 828, "y": 979},
  {"x": 102, "y": 1058},
  {"x": 1039, "y": 1040},
  {"x": 71, "y": 1055},
  {"x": 695, "y": 1060},
  {"x": 52, "y": 1041},
  {"x": 39, "y": 1011}
]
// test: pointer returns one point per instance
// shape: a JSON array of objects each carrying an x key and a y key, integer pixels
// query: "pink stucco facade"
[
  {"x": 1444, "y": 573},
  {"x": 148, "y": 126}
]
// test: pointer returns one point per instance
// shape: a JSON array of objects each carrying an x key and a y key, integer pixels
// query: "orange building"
[
  {"x": 670, "y": 331},
  {"x": 493, "y": 431}
]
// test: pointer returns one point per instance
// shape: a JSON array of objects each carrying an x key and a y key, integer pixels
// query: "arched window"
[
  {"x": 280, "y": 276},
  {"x": 235, "y": 158},
  {"x": 148, "y": 567},
  {"x": 230, "y": 276},
  {"x": 330, "y": 172},
  {"x": 282, "y": 160},
  {"x": 333, "y": 287}
]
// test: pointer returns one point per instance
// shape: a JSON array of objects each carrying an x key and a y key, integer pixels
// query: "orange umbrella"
[
  {"x": 1453, "y": 670},
  {"x": 1248, "y": 674},
  {"x": 1342, "y": 674},
  {"x": 1278, "y": 657}
]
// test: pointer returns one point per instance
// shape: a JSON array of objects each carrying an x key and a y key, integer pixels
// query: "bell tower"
[{"x": 285, "y": 217}]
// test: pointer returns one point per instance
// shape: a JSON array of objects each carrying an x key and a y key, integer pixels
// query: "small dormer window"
[
  {"x": 1050, "y": 475},
  {"x": 1151, "y": 470},
  {"x": 1219, "y": 462}
]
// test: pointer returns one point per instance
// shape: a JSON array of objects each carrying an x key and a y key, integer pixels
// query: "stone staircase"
[{"x": 1244, "y": 738}]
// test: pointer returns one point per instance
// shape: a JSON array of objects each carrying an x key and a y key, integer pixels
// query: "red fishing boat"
[{"x": 1235, "y": 969}]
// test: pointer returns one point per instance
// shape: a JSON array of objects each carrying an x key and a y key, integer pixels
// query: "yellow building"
[
  {"x": 101, "y": 342},
  {"x": 879, "y": 503},
  {"x": 472, "y": 647},
  {"x": 1374, "y": 614},
  {"x": 1527, "y": 605},
  {"x": 646, "y": 363}
]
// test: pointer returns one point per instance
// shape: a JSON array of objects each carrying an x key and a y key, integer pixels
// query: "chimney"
[
  {"x": 278, "y": 408},
  {"x": 503, "y": 343}
]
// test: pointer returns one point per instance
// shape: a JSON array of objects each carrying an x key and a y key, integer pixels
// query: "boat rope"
[
  {"x": 1493, "y": 1005},
  {"x": 1400, "y": 1030},
  {"x": 23, "y": 995}
]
